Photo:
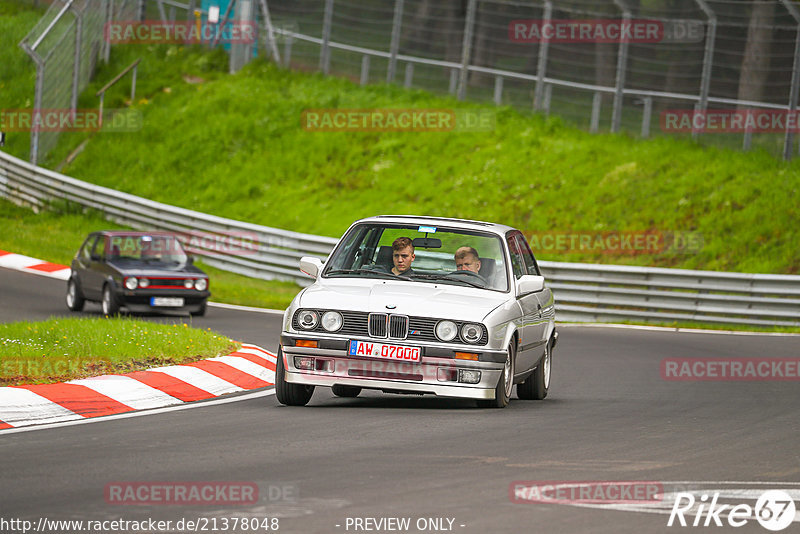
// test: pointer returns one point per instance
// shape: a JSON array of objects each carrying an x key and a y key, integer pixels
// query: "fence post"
[
  {"x": 788, "y": 140},
  {"x": 466, "y": 48},
  {"x": 270, "y": 37},
  {"x": 395, "y": 43},
  {"x": 364, "y": 69},
  {"x": 142, "y": 10},
  {"x": 409, "y": 75},
  {"x": 37, "y": 108},
  {"x": 622, "y": 64},
  {"x": 498, "y": 90},
  {"x": 548, "y": 94},
  {"x": 597, "y": 100},
  {"x": 325, "y": 50},
  {"x": 287, "y": 51},
  {"x": 541, "y": 64},
  {"x": 221, "y": 25},
  {"x": 708, "y": 59},
  {"x": 453, "y": 81},
  {"x": 76, "y": 61},
  {"x": 646, "y": 116}
]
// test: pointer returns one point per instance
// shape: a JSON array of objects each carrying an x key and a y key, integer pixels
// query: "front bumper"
[
  {"x": 436, "y": 373},
  {"x": 138, "y": 300}
]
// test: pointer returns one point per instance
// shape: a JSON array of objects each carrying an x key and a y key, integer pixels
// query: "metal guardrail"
[{"x": 584, "y": 292}]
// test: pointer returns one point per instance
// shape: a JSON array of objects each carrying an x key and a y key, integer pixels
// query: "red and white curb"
[
  {"x": 27, "y": 264},
  {"x": 250, "y": 367}
]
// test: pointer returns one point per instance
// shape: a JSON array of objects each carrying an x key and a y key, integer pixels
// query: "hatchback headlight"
[
  {"x": 332, "y": 321},
  {"x": 307, "y": 319},
  {"x": 201, "y": 284},
  {"x": 446, "y": 330},
  {"x": 471, "y": 332},
  {"x": 188, "y": 283},
  {"x": 144, "y": 282},
  {"x": 131, "y": 283}
]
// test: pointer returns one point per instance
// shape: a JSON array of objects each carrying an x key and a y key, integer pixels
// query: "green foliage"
[{"x": 61, "y": 349}]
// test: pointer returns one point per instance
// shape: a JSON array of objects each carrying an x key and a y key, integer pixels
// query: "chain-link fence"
[
  {"x": 65, "y": 46},
  {"x": 719, "y": 71}
]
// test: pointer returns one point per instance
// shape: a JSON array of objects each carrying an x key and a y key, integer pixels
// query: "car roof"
[{"x": 461, "y": 224}]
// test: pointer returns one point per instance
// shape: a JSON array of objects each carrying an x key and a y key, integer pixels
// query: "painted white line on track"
[
  {"x": 245, "y": 308},
  {"x": 672, "y": 329},
  {"x": 20, "y": 405},
  {"x": 199, "y": 379},
  {"x": 127, "y": 391},
  {"x": 155, "y": 411}
]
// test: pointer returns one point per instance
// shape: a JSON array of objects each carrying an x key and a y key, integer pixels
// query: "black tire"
[
  {"x": 502, "y": 392},
  {"x": 109, "y": 302},
  {"x": 202, "y": 310},
  {"x": 286, "y": 393},
  {"x": 538, "y": 384},
  {"x": 75, "y": 300},
  {"x": 345, "y": 391}
]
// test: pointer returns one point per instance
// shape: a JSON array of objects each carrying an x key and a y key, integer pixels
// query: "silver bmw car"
[{"x": 421, "y": 305}]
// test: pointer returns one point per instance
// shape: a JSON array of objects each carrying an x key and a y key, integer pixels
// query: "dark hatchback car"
[{"x": 142, "y": 271}]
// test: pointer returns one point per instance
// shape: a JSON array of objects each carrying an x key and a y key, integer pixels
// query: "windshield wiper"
[
  {"x": 381, "y": 274},
  {"x": 448, "y": 278}
]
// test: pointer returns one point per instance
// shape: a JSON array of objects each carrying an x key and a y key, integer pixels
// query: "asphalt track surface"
[{"x": 609, "y": 417}]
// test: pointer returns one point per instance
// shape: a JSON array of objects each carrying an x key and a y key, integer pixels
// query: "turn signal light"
[
  {"x": 306, "y": 343},
  {"x": 466, "y": 356}
]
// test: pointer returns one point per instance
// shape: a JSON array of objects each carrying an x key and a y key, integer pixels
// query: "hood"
[
  {"x": 420, "y": 299},
  {"x": 155, "y": 270}
]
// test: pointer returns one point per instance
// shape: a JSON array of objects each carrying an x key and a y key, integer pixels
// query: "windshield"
[
  {"x": 145, "y": 248},
  {"x": 425, "y": 254}
]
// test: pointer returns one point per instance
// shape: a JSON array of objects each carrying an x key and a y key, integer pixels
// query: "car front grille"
[{"x": 389, "y": 326}]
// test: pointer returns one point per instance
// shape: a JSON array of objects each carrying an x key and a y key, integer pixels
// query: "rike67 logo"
[{"x": 774, "y": 510}]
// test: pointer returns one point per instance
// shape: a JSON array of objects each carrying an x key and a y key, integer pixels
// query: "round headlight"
[
  {"x": 307, "y": 319},
  {"x": 471, "y": 333},
  {"x": 332, "y": 321},
  {"x": 144, "y": 282},
  {"x": 446, "y": 330},
  {"x": 188, "y": 283},
  {"x": 131, "y": 282},
  {"x": 201, "y": 284}
]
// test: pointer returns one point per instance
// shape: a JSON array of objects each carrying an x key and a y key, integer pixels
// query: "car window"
[
  {"x": 531, "y": 267},
  {"x": 517, "y": 263},
  {"x": 97, "y": 248},
  {"x": 86, "y": 250},
  {"x": 367, "y": 248}
]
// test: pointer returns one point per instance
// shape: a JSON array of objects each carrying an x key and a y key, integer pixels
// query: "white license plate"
[
  {"x": 170, "y": 302},
  {"x": 384, "y": 351}
]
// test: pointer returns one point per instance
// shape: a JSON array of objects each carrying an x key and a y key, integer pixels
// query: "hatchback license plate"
[
  {"x": 384, "y": 351},
  {"x": 170, "y": 302}
]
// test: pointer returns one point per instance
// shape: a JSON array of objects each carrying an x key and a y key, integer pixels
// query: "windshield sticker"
[{"x": 427, "y": 229}]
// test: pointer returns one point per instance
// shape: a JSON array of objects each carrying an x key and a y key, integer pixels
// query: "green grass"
[
  {"x": 17, "y": 70},
  {"x": 56, "y": 235},
  {"x": 64, "y": 349},
  {"x": 234, "y": 146}
]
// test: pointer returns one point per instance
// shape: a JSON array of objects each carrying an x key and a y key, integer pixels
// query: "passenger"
[
  {"x": 402, "y": 256},
  {"x": 467, "y": 259}
]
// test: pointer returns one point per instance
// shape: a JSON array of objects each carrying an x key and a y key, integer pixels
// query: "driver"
[
  {"x": 402, "y": 256},
  {"x": 467, "y": 259}
]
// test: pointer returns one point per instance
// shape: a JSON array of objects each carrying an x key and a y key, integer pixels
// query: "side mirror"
[
  {"x": 530, "y": 284},
  {"x": 95, "y": 257},
  {"x": 189, "y": 259},
  {"x": 310, "y": 266}
]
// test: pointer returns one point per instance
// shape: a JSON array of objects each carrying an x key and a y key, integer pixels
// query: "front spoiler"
[{"x": 392, "y": 376}]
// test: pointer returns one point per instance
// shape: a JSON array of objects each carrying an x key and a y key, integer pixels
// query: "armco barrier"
[{"x": 585, "y": 292}]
